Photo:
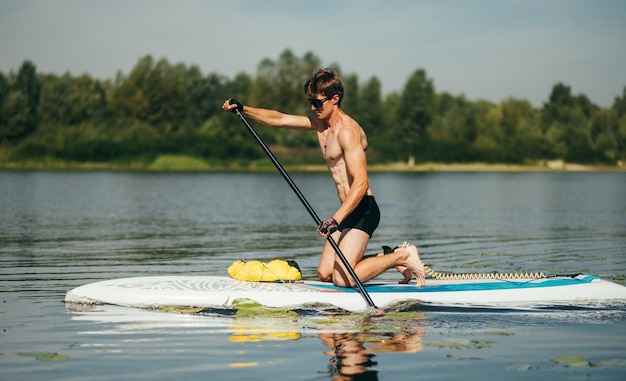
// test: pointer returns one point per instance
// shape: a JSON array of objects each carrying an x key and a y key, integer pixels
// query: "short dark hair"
[{"x": 325, "y": 82}]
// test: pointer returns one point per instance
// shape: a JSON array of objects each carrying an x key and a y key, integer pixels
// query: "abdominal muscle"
[
  {"x": 341, "y": 178},
  {"x": 337, "y": 165}
]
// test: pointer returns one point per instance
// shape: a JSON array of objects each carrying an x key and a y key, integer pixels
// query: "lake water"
[{"x": 59, "y": 230}]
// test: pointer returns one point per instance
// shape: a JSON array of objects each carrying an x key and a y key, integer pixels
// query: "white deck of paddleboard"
[{"x": 211, "y": 291}]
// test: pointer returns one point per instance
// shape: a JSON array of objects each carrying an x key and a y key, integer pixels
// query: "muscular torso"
[{"x": 334, "y": 154}]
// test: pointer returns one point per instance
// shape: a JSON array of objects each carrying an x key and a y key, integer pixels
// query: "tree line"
[{"x": 162, "y": 108}]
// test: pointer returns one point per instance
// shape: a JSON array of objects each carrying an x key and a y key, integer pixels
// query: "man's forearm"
[
  {"x": 267, "y": 117},
  {"x": 277, "y": 119}
]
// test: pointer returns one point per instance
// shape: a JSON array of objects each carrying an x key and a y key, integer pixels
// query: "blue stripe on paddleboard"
[{"x": 481, "y": 286}]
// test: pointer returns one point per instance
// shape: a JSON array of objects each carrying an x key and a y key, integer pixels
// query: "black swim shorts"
[{"x": 365, "y": 216}]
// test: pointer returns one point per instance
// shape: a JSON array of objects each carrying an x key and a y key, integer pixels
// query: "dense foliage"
[{"x": 164, "y": 109}]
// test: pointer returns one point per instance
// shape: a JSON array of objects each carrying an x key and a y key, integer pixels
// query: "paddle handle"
[{"x": 308, "y": 207}]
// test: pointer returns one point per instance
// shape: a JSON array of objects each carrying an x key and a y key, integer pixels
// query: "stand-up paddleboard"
[{"x": 212, "y": 291}]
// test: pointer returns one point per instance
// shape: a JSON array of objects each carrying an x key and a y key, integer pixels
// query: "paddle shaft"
[{"x": 308, "y": 207}]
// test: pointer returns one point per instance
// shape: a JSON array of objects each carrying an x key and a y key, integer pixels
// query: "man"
[{"x": 343, "y": 144}]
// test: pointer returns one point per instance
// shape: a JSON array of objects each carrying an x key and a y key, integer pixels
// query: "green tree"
[
  {"x": 70, "y": 101},
  {"x": 4, "y": 93},
  {"x": 381, "y": 140},
  {"x": 489, "y": 135},
  {"x": 27, "y": 84},
  {"x": 18, "y": 107},
  {"x": 241, "y": 86},
  {"x": 351, "y": 102},
  {"x": 567, "y": 126},
  {"x": 371, "y": 108},
  {"x": 171, "y": 108},
  {"x": 279, "y": 84},
  {"x": 556, "y": 110},
  {"x": 609, "y": 130},
  {"x": 415, "y": 113},
  {"x": 604, "y": 134},
  {"x": 522, "y": 133},
  {"x": 127, "y": 99},
  {"x": 17, "y": 121},
  {"x": 204, "y": 96},
  {"x": 453, "y": 120},
  {"x": 166, "y": 100}
]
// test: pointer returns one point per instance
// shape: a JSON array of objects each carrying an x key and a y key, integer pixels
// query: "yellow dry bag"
[{"x": 256, "y": 271}]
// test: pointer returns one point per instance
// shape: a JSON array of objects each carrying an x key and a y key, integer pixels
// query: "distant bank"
[{"x": 180, "y": 163}]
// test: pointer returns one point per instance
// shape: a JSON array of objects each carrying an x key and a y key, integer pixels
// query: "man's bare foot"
[{"x": 415, "y": 266}]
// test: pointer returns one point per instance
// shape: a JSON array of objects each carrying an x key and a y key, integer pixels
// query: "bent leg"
[
  {"x": 411, "y": 264},
  {"x": 327, "y": 261},
  {"x": 353, "y": 243},
  {"x": 405, "y": 259}
]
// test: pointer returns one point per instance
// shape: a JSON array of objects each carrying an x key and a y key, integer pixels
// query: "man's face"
[{"x": 320, "y": 104}]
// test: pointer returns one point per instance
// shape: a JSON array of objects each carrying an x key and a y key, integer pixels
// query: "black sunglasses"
[{"x": 317, "y": 103}]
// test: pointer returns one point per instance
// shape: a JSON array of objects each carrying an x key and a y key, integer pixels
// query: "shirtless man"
[{"x": 343, "y": 144}]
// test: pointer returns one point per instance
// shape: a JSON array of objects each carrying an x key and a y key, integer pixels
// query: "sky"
[{"x": 481, "y": 49}]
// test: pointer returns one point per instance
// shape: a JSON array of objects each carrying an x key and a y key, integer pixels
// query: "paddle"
[{"x": 377, "y": 311}]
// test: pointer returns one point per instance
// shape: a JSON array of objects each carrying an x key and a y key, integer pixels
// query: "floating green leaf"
[
  {"x": 520, "y": 367},
  {"x": 453, "y": 356},
  {"x": 482, "y": 343},
  {"x": 45, "y": 356},
  {"x": 445, "y": 344},
  {"x": 572, "y": 361},
  {"x": 461, "y": 345},
  {"x": 500, "y": 333},
  {"x": 249, "y": 307}
]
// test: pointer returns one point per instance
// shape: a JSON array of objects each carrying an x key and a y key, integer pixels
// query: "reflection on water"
[
  {"x": 352, "y": 347},
  {"x": 352, "y": 354},
  {"x": 349, "y": 357},
  {"x": 352, "y": 342},
  {"x": 248, "y": 334}
]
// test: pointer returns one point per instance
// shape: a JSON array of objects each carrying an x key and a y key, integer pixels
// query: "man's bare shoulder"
[{"x": 351, "y": 133}]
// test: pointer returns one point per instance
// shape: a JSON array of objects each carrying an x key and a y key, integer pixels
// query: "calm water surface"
[{"x": 59, "y": 230}]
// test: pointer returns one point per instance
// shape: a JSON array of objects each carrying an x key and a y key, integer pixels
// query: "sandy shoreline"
[{"x": 555, "y": 166}]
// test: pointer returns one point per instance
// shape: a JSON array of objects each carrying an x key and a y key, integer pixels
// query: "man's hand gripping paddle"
[{"x": 238, "y": 111}]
